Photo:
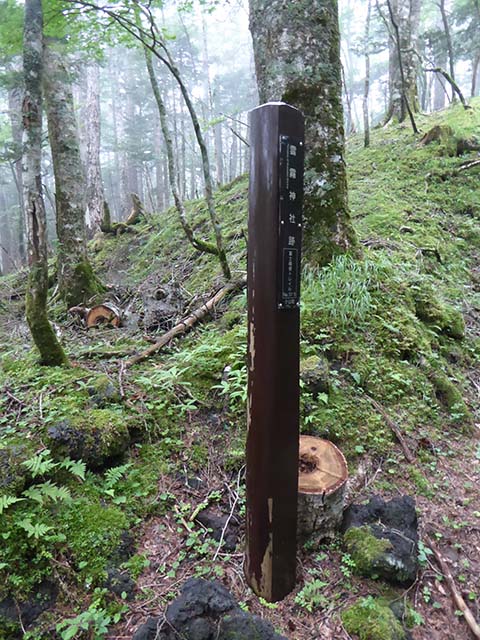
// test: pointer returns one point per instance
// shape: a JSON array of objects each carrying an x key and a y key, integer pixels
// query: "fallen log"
[
  {"x": 187, "y": 323},
  {"x": 456, "y": 596}
]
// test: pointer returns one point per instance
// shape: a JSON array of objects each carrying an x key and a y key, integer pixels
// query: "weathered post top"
[{"x": 274, "y": 252}]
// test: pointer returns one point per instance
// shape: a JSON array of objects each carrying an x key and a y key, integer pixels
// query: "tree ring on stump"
[
  {"x": 105, "y": 313},
  {"x": 322, "y": 482}
]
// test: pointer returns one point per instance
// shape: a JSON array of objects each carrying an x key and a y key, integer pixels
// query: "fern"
[
  {"x": 40, "y": 492},
  {"x": 6, "y": 501},
  {"x": 40, "y": 464},
  {"x": 76, "y": 467},
  {"x": 37, "y": 530},
  {"x": 112, "y": 476}
]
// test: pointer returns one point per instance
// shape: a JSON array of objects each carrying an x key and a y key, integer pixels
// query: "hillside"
[{"x": 392, "y": 339}]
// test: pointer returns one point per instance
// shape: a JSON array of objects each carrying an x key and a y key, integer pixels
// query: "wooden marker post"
[{"x": 274, "y": 251}]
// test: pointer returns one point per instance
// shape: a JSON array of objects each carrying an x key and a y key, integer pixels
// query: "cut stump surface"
[{"x": 322, "y": 479}]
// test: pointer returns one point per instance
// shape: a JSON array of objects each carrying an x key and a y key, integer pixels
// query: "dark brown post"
[{"x": 274, "y": 246}]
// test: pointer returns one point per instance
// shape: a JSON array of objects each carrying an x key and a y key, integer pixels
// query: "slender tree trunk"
[
  {"x": 15, "y": 113},
  {"x": 198, "y": 244},
  {"x": 404, "y": 17},
  {"x": 475, "y": 76},
  {"x": 366, "y": 89},
  {"x": 439, "y": 88},
  {"x": 313, "y": 84},
  {"x": 117, "y": 191},
  {"x": 51, "y": 352},
  {"x": 76, "y": 280},
  {"x": 448, "y": 38},
  {"x": 159, "y": 178},
  {"x": 7, "y": 259},
  {"x": 95, "y": 193},
  {"x": 403, "y": 61}
]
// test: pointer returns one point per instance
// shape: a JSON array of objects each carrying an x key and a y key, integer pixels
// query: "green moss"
[
  {"x": 371, "y": 620},
  {"x": 314, "y": 372},
  {"x": 434, "y": 312},
  {"x": 51, "y": 351},
  {"x": 94, "y": 437},
  {"x": 449, "y": 396},
  {"x": 82, "y": 286},
  {"x": 94, "y": 536},
  {"x": 365, "y": 549}
]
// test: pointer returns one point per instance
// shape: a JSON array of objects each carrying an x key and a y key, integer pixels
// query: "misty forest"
[{"x": 194, "y": 445}]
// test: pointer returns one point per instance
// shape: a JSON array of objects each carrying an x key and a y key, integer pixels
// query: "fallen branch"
[
  {"x": 469, "y": 165},
  {"x": 186, "y": 324},
  {"x": 394, "y": 427},
  {"x": 452, "y": 83},
  {"x": 457, "y": 598}
]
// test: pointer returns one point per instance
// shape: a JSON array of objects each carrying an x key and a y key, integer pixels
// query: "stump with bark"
[
  {"x": 322, "y": 483},
  {"x": 105, "y": 313}
]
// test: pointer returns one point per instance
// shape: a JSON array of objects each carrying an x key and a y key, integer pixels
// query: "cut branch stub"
[
  {"x": 105, "y": 313},
  {"x": 322, "y": 482}
]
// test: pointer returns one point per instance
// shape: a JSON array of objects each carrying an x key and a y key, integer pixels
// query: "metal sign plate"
[{"x": 291, "y": 152}]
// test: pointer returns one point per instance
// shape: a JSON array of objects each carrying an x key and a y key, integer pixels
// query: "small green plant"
[
  {"x": 94, "y": 620},
  {"x": 347, "y": 565},
  {"x": 311, "y": 596}
]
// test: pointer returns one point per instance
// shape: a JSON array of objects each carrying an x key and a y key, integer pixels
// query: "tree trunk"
[
  {"x": 51, "y": 352},
  {"x": 95, "y": 194},
  {"x": 475, "y": 76},
  {"x": 15, "y": 113},
  {"x": 198, "y": 244},
  {"x": 366, "y": 86},
  {"x": 306, "y": 73},
  {"x": 6, "y": 256},
  {"x": 448, "y": 38},
  {"x": 403, "y": 61},
  {"x": 76, "y": 280}
]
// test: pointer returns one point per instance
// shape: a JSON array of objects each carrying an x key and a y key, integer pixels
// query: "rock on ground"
[
  {"x": 206, "y": 611},
  {"x": 382, "y": 538}
]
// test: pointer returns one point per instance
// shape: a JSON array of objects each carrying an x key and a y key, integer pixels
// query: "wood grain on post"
[{"x": 274, "y": 245}]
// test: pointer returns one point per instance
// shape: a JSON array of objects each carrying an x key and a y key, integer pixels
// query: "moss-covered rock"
[
  {"x": 372, "y": 620},
  {"x": 449, "y": 396},
  {"x": 103, "y": 391},
  {"x": 94, "y": 437},
  {"x": 314, "y": 372},
  {"x": 12, "y": 472},
  {"x": 366, "y": 550},
  {"x": 382, "y": 537},
  {"x": 441, "y": 316}
]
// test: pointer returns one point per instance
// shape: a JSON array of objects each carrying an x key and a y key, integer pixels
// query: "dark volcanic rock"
[
  {"x": 216, "y": 523},
  {"x": 120, "y": 582},
  {"x": 382, "y": 538},
  {"x": 206, "y": 611},
  {"x": 12, "y": 611}
]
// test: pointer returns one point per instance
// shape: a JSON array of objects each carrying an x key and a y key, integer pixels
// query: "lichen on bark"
[{"x": 297, "y": 60}]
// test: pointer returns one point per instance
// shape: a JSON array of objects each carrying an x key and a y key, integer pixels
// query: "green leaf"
[
  {"x": 7, "y": 501},
  {"x": 76, "y": 467}
]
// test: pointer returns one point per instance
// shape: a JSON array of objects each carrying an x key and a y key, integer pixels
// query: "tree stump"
[
  {"x": 322, "y": 482},
  {"x": 105, "y": 313}
]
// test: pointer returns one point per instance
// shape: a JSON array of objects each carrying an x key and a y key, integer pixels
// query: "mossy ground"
[{"x": 399, "y": 327}]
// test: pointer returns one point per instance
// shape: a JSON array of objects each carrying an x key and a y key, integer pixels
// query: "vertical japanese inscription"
[{"x": 290, "y": 174}]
